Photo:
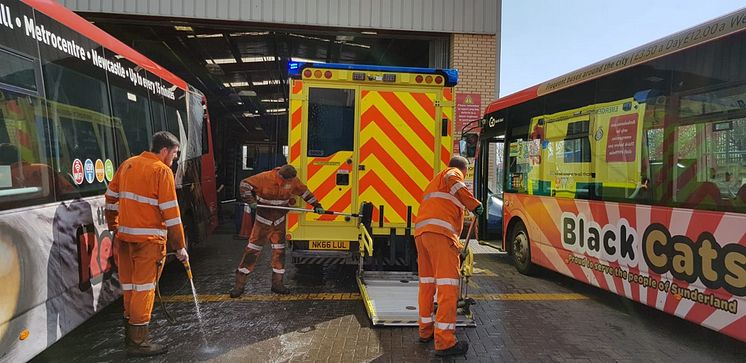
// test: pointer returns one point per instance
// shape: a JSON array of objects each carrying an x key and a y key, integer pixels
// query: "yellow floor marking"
[{"x": 356, "y": 296}]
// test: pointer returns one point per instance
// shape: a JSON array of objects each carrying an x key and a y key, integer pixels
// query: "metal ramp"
[{"x": 390, "y": 297}]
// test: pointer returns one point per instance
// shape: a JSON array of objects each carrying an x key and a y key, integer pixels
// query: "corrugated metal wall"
[{"x": 449, "y": 16}]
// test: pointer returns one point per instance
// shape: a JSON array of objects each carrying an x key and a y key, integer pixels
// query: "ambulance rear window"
[{"x": 331, "y": 117}]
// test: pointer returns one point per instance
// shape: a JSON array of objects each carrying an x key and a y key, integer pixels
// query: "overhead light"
[
  {"x": 266, "y": 139},
  {"x": 247, "y": 93},
  {"x": 258, "y": 128},
  {"x": 305, "y": 60},
  {"x": 276, "y": 110},
  {"x": 354, "y": 44},
  {"x": 183, "y": 28},
  {"x": 308, "y": 37},
  {"x": 369, "y": 33},
  {"x": 205, "y": 36},
  {"x": 236, "y": 84},
  {"x": 239, "y": 102},
  {"x": 266, "y": 82},
  {"x": 250, "y": 114},
  {"x": 276, "y": 100},
  {"x": 248, "y": 33},
  {"x": 243, "y": 59},
  {"x": 345, "y": 38}
]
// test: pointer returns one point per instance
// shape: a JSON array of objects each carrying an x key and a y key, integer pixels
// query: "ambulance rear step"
[{"x": 391, "y": 298}]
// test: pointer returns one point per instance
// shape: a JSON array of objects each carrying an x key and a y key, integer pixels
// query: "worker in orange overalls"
[
  {"x": 142, "y": 211},
  {"x": 274, "y": 187},
  {"x": 437, "y": 229}
]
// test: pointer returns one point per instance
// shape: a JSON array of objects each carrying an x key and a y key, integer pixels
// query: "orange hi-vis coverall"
[
  {"x": 141, "y": 208},
  {"x": 437, "y": 229},
  {"x": 270, "y": 188}
]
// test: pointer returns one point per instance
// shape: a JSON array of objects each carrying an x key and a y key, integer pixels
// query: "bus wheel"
[{"x": 521, "y": 250}]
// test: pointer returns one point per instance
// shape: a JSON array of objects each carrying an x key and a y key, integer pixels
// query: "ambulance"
[{"x": 373, "y": 134}]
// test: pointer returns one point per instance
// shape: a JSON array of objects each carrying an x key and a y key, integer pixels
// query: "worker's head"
[
  {"x": 165, "y": 146},
  {"x": 460, "y": 163},
  {"x": 287, "y": 172}
]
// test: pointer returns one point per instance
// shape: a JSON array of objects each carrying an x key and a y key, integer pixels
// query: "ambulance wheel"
[{"x": 521, "y": 250}]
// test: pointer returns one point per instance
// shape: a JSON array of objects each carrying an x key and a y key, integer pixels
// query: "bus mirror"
[
  {"x": 462, "y": 148},
  {"x": 468, "y": 145}
]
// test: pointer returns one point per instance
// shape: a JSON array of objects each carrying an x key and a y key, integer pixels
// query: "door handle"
[{"x": 361, "y": 167}]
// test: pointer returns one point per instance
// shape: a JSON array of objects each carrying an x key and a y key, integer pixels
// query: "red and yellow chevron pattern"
[{"x": 398, "y": 150}]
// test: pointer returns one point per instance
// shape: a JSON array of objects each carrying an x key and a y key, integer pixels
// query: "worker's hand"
[
  {"x": 252, "y": 206},
  {"x": 318, "y": 210},
  {"x": 182, "y": 255},
  {"x": 479, "y": 210}
]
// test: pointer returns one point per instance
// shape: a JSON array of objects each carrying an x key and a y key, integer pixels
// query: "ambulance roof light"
[{"x": 450, "y": 75}]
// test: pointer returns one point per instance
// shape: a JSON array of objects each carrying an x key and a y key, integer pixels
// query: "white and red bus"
[
  {"x": 74, "y": 104},
  {"x": 629, "y": 175}
]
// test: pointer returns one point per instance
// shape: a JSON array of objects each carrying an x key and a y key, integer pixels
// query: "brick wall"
[{"x": 474, "y": 57}]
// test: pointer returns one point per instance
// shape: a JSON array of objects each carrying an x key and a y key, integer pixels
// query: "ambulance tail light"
[
  {"x": 438, "y": 80},
  {"x": 307, "y": 73},
  {"x": 328, "y": 74},
  {"x": 289, "y": 237},
  {"x": 317, "y": 74},
  {"x": 418, "y": 79},
  {"x": 429, "y": 79}
]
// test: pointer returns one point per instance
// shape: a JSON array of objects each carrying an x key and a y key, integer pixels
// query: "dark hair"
[
  {"x": 459, "y": 162},
  {"x": 163, "y": 139},
  {"x": 288, "y": 171}
]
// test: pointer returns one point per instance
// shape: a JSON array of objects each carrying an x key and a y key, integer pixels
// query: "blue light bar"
[{"x": 450, "y": 75}]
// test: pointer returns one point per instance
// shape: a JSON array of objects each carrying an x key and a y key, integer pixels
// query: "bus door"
[{"x": 489, "y": 189}]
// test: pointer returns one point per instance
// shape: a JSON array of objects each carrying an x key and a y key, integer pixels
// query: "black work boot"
[
  {"x": 277, "y": 286},
  {"x": 241, "y": 279},
  {"x": 459, "y": 349},
  {"x": 138, "y": 342}
]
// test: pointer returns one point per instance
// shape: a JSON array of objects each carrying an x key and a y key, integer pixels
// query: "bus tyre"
[{"x": 521, "y": 250}]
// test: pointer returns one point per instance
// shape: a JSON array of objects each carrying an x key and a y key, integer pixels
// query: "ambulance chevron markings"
[{"x": 397, "y": 139}]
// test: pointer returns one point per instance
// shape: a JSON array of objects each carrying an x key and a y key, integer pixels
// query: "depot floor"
[{"x": 546, "y": 317}]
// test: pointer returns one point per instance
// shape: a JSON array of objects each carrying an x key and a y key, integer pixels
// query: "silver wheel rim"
[{"x": 520, "y": 247}]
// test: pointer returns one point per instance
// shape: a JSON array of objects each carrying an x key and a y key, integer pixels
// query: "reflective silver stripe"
[
  {"x": 112, "y": 206},
  {"x": 244, "y": 270},
  {"x": 173, "y": 221},
  {"x": 426, "y": 319},
  {"x": 112, "y": 194},
  {"x": 278, "y": 246},
  {"x": 254, "y": 247},
  {"x": 140, "y": 287},
  {"x": 144, "y": 231},
  {"x": 139, "y": 198},
  {"x": 246, "y": 185},
  {"x": 427, "y": 280},
  {"x": 437, "y": 222},
  {"x": 305, "y": 194},
  {"x": 451, "y": 174},
  {"x": 442, "y": 195},
  {"x": 453, "y": 282},
  {"x": 278, "y": 271},
  {"x": 312, "y": 200},
  {"x": 457, "y": 186},
  {"x": 445, "y": 326},
  {"x": 168, "y": 205},
  {"x": 273, "y": 201},
  {"x": 266, "y": 221},
  {"x": 263, "y": 220},
  {"x": 143, "y": 287}
]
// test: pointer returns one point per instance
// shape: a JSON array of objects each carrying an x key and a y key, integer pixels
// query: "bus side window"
[{"x": 78, "y": 108}]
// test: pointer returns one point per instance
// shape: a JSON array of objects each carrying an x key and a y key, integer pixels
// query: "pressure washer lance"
[
  {"x": 188, "y": 269},
  {"x": 303, "y": 210}
]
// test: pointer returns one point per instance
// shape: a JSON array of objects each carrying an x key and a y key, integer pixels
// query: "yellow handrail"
[{"x": 366, "y": 241}]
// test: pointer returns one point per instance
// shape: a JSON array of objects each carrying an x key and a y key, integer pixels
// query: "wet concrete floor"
[{"x": 547, "y": 317}]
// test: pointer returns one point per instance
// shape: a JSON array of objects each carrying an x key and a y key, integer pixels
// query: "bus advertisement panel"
[
  {"x": 74, "y": 104},
  {"x": 632, "y": 177}
]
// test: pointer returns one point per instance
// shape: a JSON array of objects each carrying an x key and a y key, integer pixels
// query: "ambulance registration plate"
[{"x": 329, "y": 245}]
